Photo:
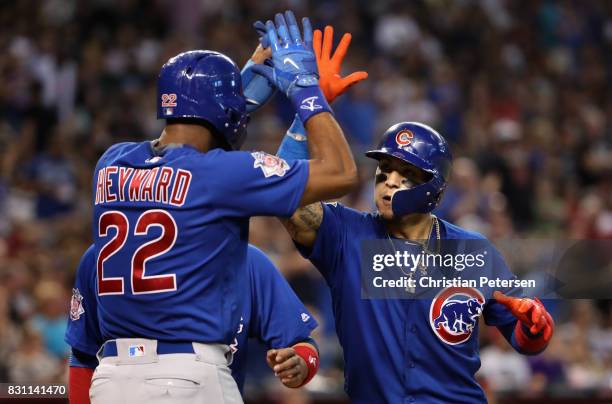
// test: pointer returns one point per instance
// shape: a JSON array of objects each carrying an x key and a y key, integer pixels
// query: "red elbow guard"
[{"x": 311, "y": 357}]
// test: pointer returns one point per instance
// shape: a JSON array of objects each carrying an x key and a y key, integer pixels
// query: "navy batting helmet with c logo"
[{"x": 423, "y": 147}]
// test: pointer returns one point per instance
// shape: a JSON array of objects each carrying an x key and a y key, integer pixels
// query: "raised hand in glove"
[
  {"x": 294, "y": 144},
  {"x": 293, "y": 62},
  {"x": 330, "y": 81}
]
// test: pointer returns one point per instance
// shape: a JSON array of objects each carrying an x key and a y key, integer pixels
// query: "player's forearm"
[
  {"x": 308, "y": 345},
  {"x": 304, "y": 224},
  {"x": 333, "y": 172},
  {"x": 310, "y": 354},
  {"x": 297, "y": 365},
  {"x": 522, "y": 340}
]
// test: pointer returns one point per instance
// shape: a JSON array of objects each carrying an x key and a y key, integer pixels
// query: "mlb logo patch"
[{"x": 136, "y": 350}]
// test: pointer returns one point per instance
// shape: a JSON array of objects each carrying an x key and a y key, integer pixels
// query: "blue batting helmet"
[
  {"x": 205, "y": 85},
  {"x": 423, "y": 147}
]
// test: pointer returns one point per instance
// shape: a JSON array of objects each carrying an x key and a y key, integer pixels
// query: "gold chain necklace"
[{"x": 424, "y": 246}]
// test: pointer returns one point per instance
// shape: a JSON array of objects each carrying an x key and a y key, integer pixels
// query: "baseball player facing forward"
[
  {"x": 271, "y": 312},
  {"x": 407, "y": 350},
  {"x": 170, "y": 220}
]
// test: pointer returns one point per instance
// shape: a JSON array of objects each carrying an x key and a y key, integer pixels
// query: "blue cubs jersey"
[
  {"x": 271, "y": 312},
  {"x": 402, "y": 350},
  {"x": 170, "y": 230}
]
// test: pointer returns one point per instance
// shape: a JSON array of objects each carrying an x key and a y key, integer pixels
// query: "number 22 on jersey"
[{"x": 141, "y": 283}]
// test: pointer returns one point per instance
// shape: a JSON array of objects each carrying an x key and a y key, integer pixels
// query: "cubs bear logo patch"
[
  {"x": 269, "y": 164},
  {"x": 76, "y": 305},
  {"x": 454, "y": 312}
]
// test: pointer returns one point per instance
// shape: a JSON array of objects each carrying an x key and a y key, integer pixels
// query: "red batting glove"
[
  {"x": 330, "y": 81},
  {"x": 533, "y": 314}
]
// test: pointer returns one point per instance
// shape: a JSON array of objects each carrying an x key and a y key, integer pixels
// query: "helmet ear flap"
[
  {"x": 233, "y": 116},
  {"x": 419, "y": 199}
]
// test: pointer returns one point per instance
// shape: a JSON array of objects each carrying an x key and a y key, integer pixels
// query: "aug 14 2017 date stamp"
[{"x": 14, "y": 390}]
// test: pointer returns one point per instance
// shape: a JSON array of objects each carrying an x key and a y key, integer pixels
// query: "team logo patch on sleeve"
[
  {"x": 76, "y": 305},
  {"x": 454, "y": 312},
  {"x": 269, "y": 164}
]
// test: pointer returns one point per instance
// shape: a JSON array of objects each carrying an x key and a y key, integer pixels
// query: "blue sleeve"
[
  {"x": 496, "y": 314},
  {"x": 83, "y": 332},
  {"x": 257, "y": 184},
  {"x": 80, "y": 359},
  {"x": 111, "y": 153},
  {"x": 278, "y": 317},
  {"x": 328, "y": 247},
  {"x": 507, "y": 330},
  {"x": 294, "y": 145}
]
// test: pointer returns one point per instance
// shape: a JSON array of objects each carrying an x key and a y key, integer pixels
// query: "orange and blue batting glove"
[{"x": 294, "y": 144}]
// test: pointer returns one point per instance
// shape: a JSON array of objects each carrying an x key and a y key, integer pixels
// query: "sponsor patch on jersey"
[
  {"x": 305, "y": 317},
  {"x": 76, "y": 305},
  {"x": 454, "y": 312},
  {"x": 269, "y": 164},
  {"x": 136, "y": 350}
]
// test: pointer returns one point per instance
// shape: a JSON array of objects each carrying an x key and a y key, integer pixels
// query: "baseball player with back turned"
[
  {"x": 406, "y": 350},
  {"x": 271, "y": 312},
  {"x": 170, "y": 221}
]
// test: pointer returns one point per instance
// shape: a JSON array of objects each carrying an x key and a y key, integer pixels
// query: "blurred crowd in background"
[{"x": 521, "y": 89}]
